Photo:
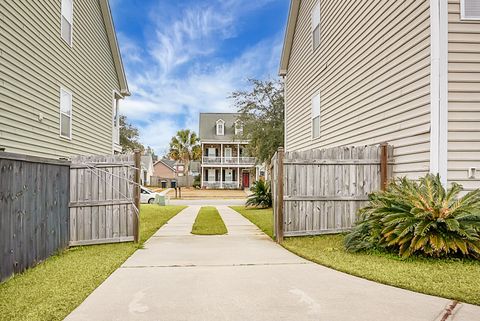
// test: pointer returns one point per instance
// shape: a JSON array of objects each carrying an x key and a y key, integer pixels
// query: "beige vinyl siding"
[
  {"x": 35, "y": 62},
  {"x": 372, "y": 70},
  {"x": 463, "y": 97}
]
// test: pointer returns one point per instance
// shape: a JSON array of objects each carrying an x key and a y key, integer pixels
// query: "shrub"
[
  {"x": 419, "y": 218},
  {"x": 262, "y": 196},
  {"x": 196, "y": 181}
]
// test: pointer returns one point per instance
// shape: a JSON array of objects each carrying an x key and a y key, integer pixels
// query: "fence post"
[
  {"x": 136, "y": 198},
  {"x": 383, "y": 165},
  {"x": 280, "y": 225}
]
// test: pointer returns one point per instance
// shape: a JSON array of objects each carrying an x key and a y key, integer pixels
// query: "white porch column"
[
  {"x": 238, "y": 153},
  {"x": 238, "y": 177},
  {"x": 221, "y": 153},
  {"x": 221, "y": 177}
]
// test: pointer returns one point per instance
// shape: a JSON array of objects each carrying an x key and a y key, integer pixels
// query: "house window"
[
  {"x": 316, "y": 25},
  {"x": 67, "y": 21},
  {"x": 116, "y": 120},
  {"x": 228, "y": 152},
  {"x": 212, "y": 152},
  {"x": 65, "y": 113},
  {"x": 470, "y": 9},
  {"x": 228, "y": 175},
  {"x": 238, "y": 128},
  {"x": 316, "y": 116},
  {"x": 220, "y": 127},
  {"x": 211, "y": 175}
]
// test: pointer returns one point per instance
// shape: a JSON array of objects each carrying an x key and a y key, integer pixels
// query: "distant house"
[
  {"x": 225, "y": 161},
  {"x": 402, "y": 72},
  {"x": 147, "y": 169},
  {"x": 61, "y": 78},
  {"x": 164, "y": 168}
]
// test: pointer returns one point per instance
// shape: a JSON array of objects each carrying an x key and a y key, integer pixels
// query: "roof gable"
[
  {"x": 167, "y": 163},
  {"x": 112, "y": 40},
  {"x": 208, "y": 123},
  {"x": 288, "y": 39}
]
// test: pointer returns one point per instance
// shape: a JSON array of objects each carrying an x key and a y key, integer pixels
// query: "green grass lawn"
[
  {"x": 51, "y": 290},
  {"x": 453, "y": 279},
  {"x": 209, "y": 222}
]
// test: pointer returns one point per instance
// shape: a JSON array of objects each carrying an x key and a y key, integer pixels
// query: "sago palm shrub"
[
  {"x": 262, "y": 196},
  {"x": 420, "y": 218}
]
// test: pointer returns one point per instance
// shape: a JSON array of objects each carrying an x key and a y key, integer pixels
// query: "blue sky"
[{"x": 186, "y": 57}]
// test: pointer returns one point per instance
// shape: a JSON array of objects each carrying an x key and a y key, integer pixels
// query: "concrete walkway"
[
  {"x": 207, "y": 202},
  {"x": 245, "y": 276}
]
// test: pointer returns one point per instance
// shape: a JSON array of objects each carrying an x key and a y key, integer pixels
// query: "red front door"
[{"x": 246, "y": 180}]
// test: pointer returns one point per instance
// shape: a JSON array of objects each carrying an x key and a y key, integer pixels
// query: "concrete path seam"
[
  {"x": 212, "y": 265},
  {"x": 448, "y": 313}
]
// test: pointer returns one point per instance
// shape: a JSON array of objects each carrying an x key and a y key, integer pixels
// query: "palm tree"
[{"x": 185, "y": 147}]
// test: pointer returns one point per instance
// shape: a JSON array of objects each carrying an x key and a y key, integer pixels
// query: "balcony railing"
[
  {"x": 218, "y": 184},
  {"x": 228, "y": 160}
]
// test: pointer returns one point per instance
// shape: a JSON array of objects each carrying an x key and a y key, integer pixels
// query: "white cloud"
[{"x": 173, "y": 77}]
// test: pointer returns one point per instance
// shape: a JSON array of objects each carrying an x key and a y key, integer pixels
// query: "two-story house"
[
  {"x": 225, "y": 161},
  {"x": 402, "y": 72},
  {"x": 61, "y": 78}
]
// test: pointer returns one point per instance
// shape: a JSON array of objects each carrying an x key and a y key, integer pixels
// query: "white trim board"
[{"x": 439, "y": 88}]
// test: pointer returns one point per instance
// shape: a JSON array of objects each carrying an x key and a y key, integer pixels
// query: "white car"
[{"x": 147, "y": 196}]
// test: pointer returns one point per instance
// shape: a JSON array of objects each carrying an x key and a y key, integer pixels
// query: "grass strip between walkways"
[
  {"x": 449, "y": 278},
  {"x": 54, "y": 288},
  {"x": 209, "y": 222}
]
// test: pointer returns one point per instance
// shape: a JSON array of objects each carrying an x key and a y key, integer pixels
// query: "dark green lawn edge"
[
  {"x": 55, "y": 287},
  {"x": 209, "y": 222},
  {"x": 447, "y": 278}
]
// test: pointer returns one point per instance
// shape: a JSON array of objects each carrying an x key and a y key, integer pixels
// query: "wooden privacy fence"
[
  {"x": 320, "y": 191},
  {"x": 104, "y": 199},
  {"x": 33, "y": 210}
]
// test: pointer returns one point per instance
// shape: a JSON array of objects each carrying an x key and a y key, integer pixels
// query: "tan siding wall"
[
  {"x": 161, "y": 170},
  {"x": 35, "y": 61},
  {"x": 463, "y": 97},
  {"x": 372, "y": 71}
]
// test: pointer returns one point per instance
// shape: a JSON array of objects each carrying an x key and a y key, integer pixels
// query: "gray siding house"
[
  {"x": 225, "y": 162},
  {"x": 61, "y": 78},
  {"x": 402, "y": 72}
]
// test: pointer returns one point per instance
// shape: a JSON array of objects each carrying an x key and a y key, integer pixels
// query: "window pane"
[
  {"x": 65, "y": 102},
  {"x": 316, "y": 15},
  {"x": 472, "y": 9},
  {"x": 67, "y": 10},
  {"x": 66, "y": 31},
  {"x": 64, "y": 125},
  {"x": 211, "y": 175},
  {"x": 316, "y": 37},
  {"x": 316, "y": 106},
  {"x": 316, "y": 127}
]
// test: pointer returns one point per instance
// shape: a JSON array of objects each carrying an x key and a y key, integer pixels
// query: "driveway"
[{"x": 245, "y": 276}]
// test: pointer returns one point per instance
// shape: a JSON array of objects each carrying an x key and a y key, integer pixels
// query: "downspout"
[{"x": 439, "y": 88}]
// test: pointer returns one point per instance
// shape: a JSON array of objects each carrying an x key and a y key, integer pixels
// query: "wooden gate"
[
  {"x": 320, "y": 191},
  {"x": 104, "y": 197}
]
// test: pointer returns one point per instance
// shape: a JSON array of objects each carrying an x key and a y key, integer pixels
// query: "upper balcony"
[{"x": 211, "y": 160}]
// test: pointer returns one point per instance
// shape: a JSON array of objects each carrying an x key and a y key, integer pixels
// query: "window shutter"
[{"x": 471, "y": 9}]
